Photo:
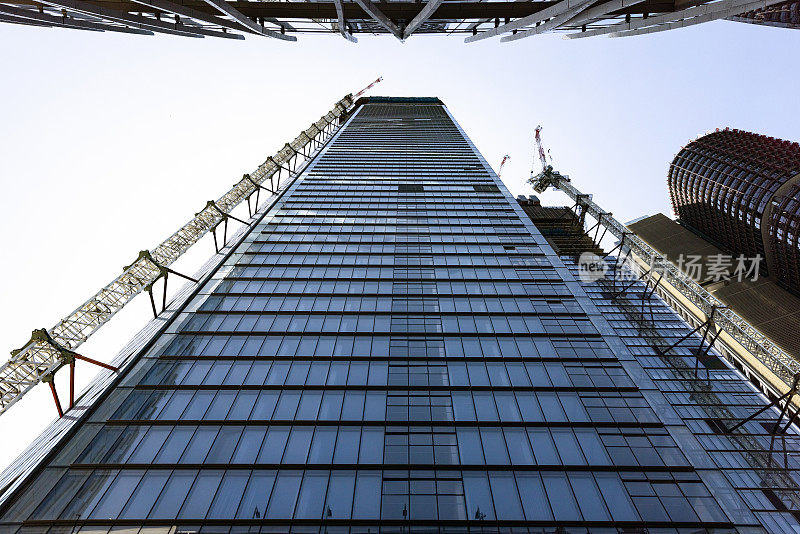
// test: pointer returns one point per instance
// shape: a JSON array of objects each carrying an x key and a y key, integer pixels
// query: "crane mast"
[
  {"x": 50, "y": 349},
  {"x": 503, "y": 164}
]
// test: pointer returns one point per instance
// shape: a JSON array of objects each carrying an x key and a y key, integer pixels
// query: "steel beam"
[
  {"x": 669, "y": 17},
  {"x": 600, "y": 11},
  {"x": 378, "y": 16},
  {"x": 245, "y": 22},
  {"x": 551, "y": 24},
  {"x": 342, "y": 28},
  {"x": 711, "y": 14},
  {"x": 11, "y": 19},
  {"x": 186, "y": 11},
  {"x": 561, "y": 7},
  {"x": 135, "y": 20},
  {"x": 421, "y": 17},
  {"x": 64, "y": 22}
]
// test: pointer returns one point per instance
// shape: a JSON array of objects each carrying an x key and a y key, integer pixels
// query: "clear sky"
[{"x": 109, "y": 142}]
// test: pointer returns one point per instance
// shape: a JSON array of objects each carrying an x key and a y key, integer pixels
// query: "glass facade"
[{"x": 394, "y": 347}]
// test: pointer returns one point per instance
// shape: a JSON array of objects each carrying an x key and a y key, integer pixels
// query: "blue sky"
[{"x": 109, "y": 142}]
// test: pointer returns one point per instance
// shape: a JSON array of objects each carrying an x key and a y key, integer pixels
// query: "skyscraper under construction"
[{"x": 395, "y": 347}]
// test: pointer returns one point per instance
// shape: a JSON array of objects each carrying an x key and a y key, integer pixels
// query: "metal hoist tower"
[
  {"x": 731, "y": 329},
  {"x": 51, "y": 349}
]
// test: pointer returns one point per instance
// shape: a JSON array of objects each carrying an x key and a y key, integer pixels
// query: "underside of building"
[{"x": 511, "y": 20}]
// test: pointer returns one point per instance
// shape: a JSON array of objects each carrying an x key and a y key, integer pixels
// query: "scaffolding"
[{"x": 51, "y": 349}]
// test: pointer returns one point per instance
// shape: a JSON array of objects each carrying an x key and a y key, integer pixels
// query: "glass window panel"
[
  {"x": 478, "y": 496},
  {"x": 117, "y": 495},
  {"x": 145, "y": 495},
  {"x": 551, "y": 407},
  {"x": 517, "y": 375},
  {"x": 337, "y": 376},
  {"x": 367, "y": 495},
  {"x": 592, "y": 447},
  {"x": 87, "y": 497},
  {"x": 529, "y": 406},
  {"x": 258, "y": 372},
  {"x": 469, "y": 446},
  {"x": 243, "y": 405},
  {"x": 494, "y": 447},
  {"x": 309, "y": 405},
  {"x": 220, "y": 405},
  {"x": 312, "y": 495},
  {"x": 534, "y": 499},
  {"x": 340, "y": 494},
  {"x": 347, "y": 446},
  {"x": 378, "y": 374},
  {"x": 277, "y": 373},
  {"x": 567, "y": 446},
  {"x": 544, "y": 451},
  {"x": 202, "y": 493},
  {"x": 371, "y": 450},
  {"x": 59, "y": 496},
  {"x": 358, "y": 373},
  {"x": 177, "y": 441},
  {"x": 478, "y": 376},
  {"x": 562, "y": 501},
  {"x": 267, "y": 400},
  {"x": 229, "y": 495},
  {"x": 457, "y": 372},
  {"x": 504, "y": 493},
  {"x": 287, "y": 405},
  {"x": 588, "y": 496},
  {"x": 299, "y": 443},
  {"x": 150, "y": 445},
  {"x": 375, "y": 406},
  {"x": 322, "y": 445},
  {"x": 498, "y": 375},
  {"x": 518, "y": 446},
  {"x": 256, "y": 495},
  {"x": 100, "y": 445},
  {"x": 573, "y": 407},
  {"x": 353, "y": 407},
  {"x": 507, "y": 406},
  {"x": 201, "y": 442},
  {"x": 616, "y": 497},
  {"x": 198, "y": 405},
  {"x": 331, "y": 406},
  {"x": 318, "y": 374},
  {"x": 274, "y": 444},
  {"x": 484, "y": 406},
  {"x": 282, "y": 501},
  {"x": 249, "y": 445},
  {"x": 224, "y": 445}
]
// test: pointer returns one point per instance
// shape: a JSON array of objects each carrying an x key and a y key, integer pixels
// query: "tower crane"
[
  {"x": 367, "y": 88},
  {"x": 502, "y": 164},
  {"x": 48, "y": 350},
  {"x": 547, "y": 176}
]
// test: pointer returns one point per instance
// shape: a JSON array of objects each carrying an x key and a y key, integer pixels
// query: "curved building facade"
[{"x": 740, "y": 190}]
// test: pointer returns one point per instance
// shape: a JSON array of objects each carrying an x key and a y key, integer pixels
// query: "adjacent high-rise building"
[
  {"x": 741, "y": 191},
  {"x": 395, "y": 347}
]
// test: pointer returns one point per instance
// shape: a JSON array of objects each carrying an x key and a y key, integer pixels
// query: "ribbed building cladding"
[
  {"x": 395, "y": 347},
  {"x": 741, "y": 191}
]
